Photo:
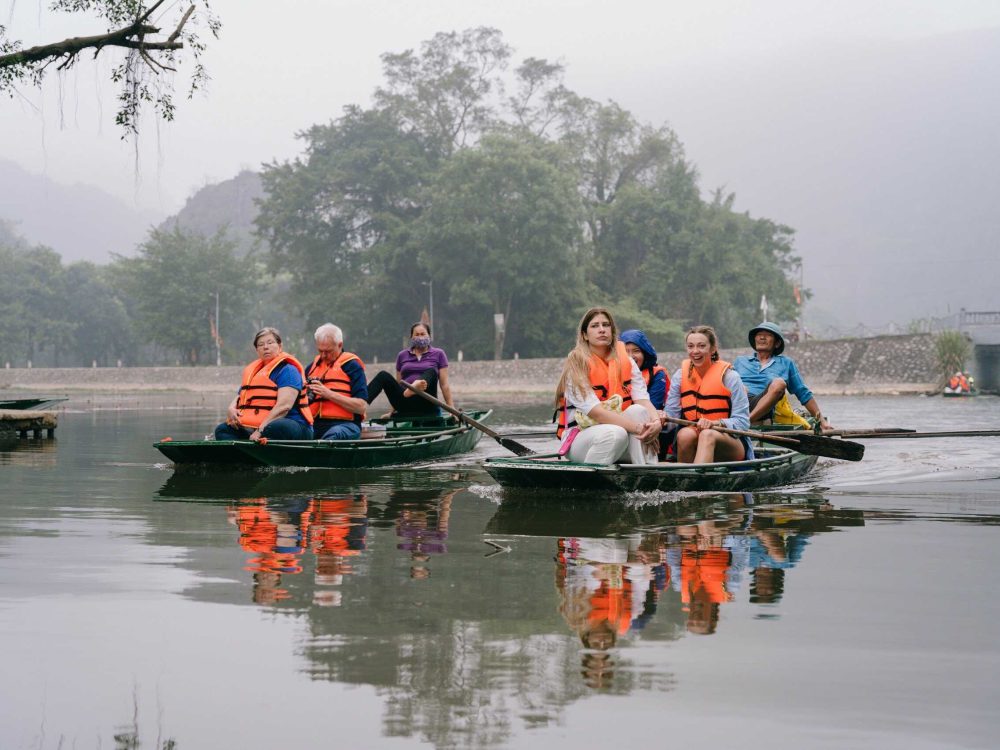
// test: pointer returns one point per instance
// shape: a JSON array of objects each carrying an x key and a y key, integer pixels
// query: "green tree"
[
  {"x": 171, "y": 287},
  {"x": 446, "y": 92},
  {"x": 102, "y": 331},
  {"x": 337, "y": 222},
  {"x": 499, "y": 237},
  {"x": 135, "y": 27},
  {"x": 953, "y": 349},
  {"x": 716, "y": 268},
  {"x": 429, "y": 186},
  {"x": 32, "y": 294}
]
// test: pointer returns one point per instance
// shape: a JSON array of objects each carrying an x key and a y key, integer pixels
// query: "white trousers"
[{"x": 608, "y": 443}]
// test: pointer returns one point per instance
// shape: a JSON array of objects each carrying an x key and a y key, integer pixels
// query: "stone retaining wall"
[{"x": 885, "y": 364}]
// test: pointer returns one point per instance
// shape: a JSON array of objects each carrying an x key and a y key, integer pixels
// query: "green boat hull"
[
  {"x": 28, "y": 404},
  {"x": 774, "y": 468},
  {"x": 405, "y": 442}
]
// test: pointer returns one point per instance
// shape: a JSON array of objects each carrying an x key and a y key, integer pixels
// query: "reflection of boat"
[
  {"x": 773, "y": 467},
  {"x": 553, "y": 517},
  {"x": 404, "y": 441},
  {"x": 251, "y": 485},
  {"x": 23, "y": 404}
]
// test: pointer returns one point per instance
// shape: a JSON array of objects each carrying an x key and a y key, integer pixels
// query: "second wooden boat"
[
  {"x": 404, "y": 441},
  {"x": 773, "y": 467}
]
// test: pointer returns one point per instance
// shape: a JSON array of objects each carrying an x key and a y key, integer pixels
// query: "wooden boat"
[
  {"x": 959, "y": 394},
  {"x": 27, "y": 404},
  {"x": 404, "y": 441},
  {"x": 773, "y": 467}
]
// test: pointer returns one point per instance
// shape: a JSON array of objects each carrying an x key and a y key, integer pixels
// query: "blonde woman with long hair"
[
  {"x": 708, "y": 391},
  {"x": 604, "y": 412}
]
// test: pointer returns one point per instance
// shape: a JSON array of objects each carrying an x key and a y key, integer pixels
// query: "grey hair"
[
  {"x": 263, "y": 332},
  {"x": 330, "y": 331}
]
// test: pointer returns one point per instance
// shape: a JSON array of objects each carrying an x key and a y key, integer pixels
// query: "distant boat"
[
  {"x": 948, "y": 393},
  {"x": 26, "y": 404},
  {"x": 961, "y": 385}
]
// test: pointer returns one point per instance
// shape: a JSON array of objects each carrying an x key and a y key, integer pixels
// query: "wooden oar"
[
  {"x": 511, "y": 445},
  {"x": 914, "y": 434},
  {"x": 869, "y": 431},
  {"x": 803, "y": 442}
]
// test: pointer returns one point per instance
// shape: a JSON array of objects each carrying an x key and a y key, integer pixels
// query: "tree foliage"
[
  {"x": 499, "y": 236},
  {"x": 171, "y": 287},
  {"x": 56, "y": 315},
  {"x": 511, "y": 195},
  {"x": 953, "y": 349},
  {"x": 149, "y": 36}
]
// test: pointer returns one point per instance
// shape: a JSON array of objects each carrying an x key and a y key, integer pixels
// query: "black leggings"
[{"x": 414, "y": 404}]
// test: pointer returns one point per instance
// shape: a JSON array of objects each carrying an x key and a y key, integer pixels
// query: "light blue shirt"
[{"x": 757, "y": 378}]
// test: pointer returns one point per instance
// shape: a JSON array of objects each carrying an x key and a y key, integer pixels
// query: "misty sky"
[{"x": 281, "y": 67}]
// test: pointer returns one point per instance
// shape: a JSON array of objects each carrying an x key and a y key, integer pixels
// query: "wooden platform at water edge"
[{"x": 23, "y": 423}]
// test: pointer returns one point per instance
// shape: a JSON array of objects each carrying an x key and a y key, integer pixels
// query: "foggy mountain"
[
  {"x": 80, "y": 222},
  {"x": 884, "y": 158},
  {"x": 229, "y": 204}
]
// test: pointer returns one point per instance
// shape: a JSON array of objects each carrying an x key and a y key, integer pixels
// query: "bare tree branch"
[{"x": 132, "y": 36}]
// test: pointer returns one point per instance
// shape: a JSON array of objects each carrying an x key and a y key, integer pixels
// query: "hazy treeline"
[{"x": 483, "y": 179}]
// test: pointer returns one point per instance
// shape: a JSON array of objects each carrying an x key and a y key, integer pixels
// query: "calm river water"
[{"x": 420, "y": 607}]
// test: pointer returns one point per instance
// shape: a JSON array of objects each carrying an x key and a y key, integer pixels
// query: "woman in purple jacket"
[{"x": 425, "y": 367}]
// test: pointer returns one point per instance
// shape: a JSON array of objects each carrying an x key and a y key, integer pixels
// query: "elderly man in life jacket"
[
  {"x": 336, "y": 386},
  {"x": 768, "y": 374}
]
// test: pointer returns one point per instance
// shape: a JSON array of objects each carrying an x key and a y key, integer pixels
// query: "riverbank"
[{"x": 885, "y": 365}]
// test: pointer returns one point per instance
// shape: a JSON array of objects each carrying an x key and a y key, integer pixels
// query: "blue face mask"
[{"x": 420, "y": 342}]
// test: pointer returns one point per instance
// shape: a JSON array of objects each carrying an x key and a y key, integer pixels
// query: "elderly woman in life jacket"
[
  {"x": 603, "y": 409},
  {"x": 708, "y": 391},
  {"x": 270, "y": 402}
]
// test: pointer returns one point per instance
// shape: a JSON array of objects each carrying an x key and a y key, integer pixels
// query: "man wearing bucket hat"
[{"x": 768, "y": 374}]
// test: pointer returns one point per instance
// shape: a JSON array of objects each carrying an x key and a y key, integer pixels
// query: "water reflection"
[
  {"x": 278, "y": 533},
  {"x": 27, "y": 452},
  {"x": 420, "y": 520},
  {"x": 489, "y": 640},
  {"x": 680, "y": 561}
]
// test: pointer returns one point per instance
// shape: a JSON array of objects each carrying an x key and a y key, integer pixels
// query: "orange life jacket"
[
  {"x": 258, "y": 393},
  {"x": 338, "y": 381},
  {"x": 705, "y": 398},
  {"x": 958, "y": 382},
  {"x": 647, "y": 374},
  {"x": 608, "y": 378}
]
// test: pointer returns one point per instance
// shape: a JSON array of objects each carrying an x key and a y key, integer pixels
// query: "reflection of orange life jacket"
[
  {"x": 259, "y": 394},
  {"x": 258, "y": 533},
  {"x": 338, "y": 381},
  {"x": 705, "y": 397},
  {"x": 613, "y": 599},
  {"x": 608, "y": 378},
  {"x": 703, "y": 574},
  {"x": 332, "y": 528}
]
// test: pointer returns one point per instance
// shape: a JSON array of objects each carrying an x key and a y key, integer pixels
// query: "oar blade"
[
  {"x": 818, "y": 445},
  {"x": 515, "y": 447}
]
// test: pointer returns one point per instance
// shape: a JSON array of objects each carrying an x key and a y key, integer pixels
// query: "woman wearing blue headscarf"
[{"x": 644, "y": 355}]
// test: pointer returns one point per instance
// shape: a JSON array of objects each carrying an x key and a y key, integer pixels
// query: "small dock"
[{"x": 24, "y": 423}]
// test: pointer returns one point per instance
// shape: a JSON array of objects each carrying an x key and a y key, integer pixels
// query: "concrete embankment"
[{"x": 881, "y": 365}]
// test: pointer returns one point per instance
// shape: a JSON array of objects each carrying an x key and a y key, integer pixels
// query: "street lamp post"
[
  {"x": 218, "y": 334},
  {"x": 430, "y": 309}
]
